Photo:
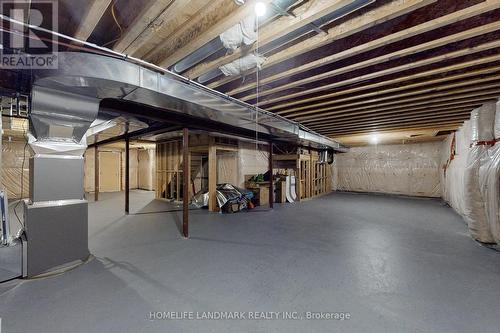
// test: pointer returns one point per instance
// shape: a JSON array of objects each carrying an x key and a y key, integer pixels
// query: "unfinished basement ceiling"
[{"x": 346, "y": 69}]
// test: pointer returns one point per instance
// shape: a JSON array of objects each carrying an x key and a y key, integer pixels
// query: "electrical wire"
[{"x": 117, "y": 24}]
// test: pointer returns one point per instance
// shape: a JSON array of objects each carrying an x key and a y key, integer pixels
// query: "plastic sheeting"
[
  {"x": 481, "y": 130},
  {"x": 489, "y": 181},
  {"x": 243, "y": 33},
  {"x": 243, "y": 64},
  {"x": 454, "y": 160},
  {"x": 411, "y": 169}
]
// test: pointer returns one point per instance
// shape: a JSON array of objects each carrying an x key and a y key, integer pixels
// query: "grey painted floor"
[{"x": 394, "y": 264}]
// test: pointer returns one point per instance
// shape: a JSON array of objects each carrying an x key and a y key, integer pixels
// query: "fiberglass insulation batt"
[
  {"x": 481, "y": 131},
  {"x": 489, "y": 180}
]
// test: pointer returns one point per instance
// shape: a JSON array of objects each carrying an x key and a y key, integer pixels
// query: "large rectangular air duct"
[{"x": 56, "y": 214}]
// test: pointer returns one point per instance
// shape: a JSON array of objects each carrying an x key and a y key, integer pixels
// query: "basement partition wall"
[
  {"x": 411, "y": 169},
  {"x": 471, "y": 172},
  {"x": 464, "y": 170}
]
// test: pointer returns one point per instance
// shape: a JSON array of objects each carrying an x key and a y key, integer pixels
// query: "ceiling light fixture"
[
  {"x": 374, "y": 139},
  {"x": 260, "y": 9}
]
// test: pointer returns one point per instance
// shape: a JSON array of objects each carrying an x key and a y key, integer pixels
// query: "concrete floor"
[{"x": 394, "y": 264}]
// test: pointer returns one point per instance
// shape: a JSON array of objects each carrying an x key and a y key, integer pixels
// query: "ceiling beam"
[
  {"x": 276, "y": 29},
  {"x": 450, "y": 100},
  {"x": 395, "y": 120},
  {"x": 481, "y": 30},
  {"x": 357, "y": 23},
  {"x": 392, "y": 38},
  {"x": 346, "y": 119},
  {"x": 457, "y": 78},
  {"x": 150, "y": 20},
  {"x": 401, "y": 81},
  {"x": 430, "y": 128},
  {"x": 205, "y": 25},
  {"x": 393, "y": 70},
  {"x": 380, "y": 129},
  {"x": 91, "y": 18},
  {"x": 443, "y": 90}
]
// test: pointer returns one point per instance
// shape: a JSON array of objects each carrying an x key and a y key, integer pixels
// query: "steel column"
[
  {"x": 271, "y": 182},
  {"x": 185, "y": 182},
  {"x": 127, "y": 175},
  {"x": 96, "y": 173}
]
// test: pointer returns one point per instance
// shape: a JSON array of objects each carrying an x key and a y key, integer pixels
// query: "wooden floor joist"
[
  {"x": 392, "y": 38},
  {"x": 391, "y": 116},
  {"x": 279, "y": 28},
  {"x": 211, "y": 21},
  {"x": 480, "y": 94},
  {"x": 443, "y": 115},
  {"x": 387, "y": 57},
  {"x": 91, "y": 18},
  {"x": 394, "y": 64},
  {"x": 408, "y": 66},
  {"x": 492, "y": 61},
  {"x": 349, "y": 27},
  {"x": 412, "y": 126},
  {"x": 418, "y": 94},
  {"x": 162, "y": 16}
]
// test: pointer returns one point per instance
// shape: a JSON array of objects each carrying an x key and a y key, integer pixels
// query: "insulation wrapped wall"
[
  {"x": 146, "y": 178},
  {"x": 481, "y": 131},
  {"x": 12, "y": 168},
  {"x": 489, "y": 181},
  {"x": 252, "y": 161},
  {"x": 411, "y": 169},
  {"x": 454, "y": 161}
]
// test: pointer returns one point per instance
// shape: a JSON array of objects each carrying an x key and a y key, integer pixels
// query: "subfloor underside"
[{"x": 394, "y": 264}]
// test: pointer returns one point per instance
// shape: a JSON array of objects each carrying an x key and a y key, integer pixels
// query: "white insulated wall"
[
  {"x": 411, "y": 169},
  {"x": 252, "y": 161}
]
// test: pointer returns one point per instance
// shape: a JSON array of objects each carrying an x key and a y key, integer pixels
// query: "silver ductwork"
[
  {"x": 55, "y": 215},
  {"x": 99, "y": 77}
]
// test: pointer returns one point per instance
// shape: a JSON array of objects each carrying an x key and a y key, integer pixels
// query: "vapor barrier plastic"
[
  {"x": 489, "y": 181},
  {"x": 243, "y": 64},
  {"x": 411, "y": 169},
  {"x": 481, "y": 130},
  {"x": 243, "y": 33}
]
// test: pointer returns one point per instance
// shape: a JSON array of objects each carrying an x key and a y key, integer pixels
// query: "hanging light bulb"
[{"x": 260, "y": 9}]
